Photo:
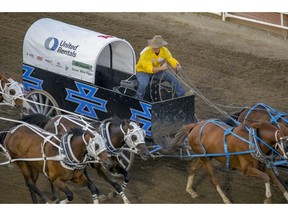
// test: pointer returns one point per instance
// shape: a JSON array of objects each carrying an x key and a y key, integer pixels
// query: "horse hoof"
[
  {"x": 111, "y": 195},
  {"x": 102, "y": 197},
  {"x": 194, "y": 195},
  {"x": 267, "y": 201}
]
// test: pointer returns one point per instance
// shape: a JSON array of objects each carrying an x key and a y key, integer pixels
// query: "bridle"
[
  {"x": 8, "y": 95},
  {"x": 282, "y": 144},
  {"x": 134, "y": 135}
]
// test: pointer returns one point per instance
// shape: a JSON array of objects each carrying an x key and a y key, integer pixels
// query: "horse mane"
[
  {"x": 75, "y": 131},
  {"x": 2, "y": 137},
  {"x": 37, "y": 119},
  {"x": 117, "y": 120},
  {"x": 113, "y": 119}
]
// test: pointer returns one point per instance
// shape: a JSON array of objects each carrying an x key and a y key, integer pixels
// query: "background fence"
[{"x": 273, "y": 22}]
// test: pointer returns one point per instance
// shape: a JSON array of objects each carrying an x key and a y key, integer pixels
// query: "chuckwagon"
[{"x": 71, "y": 69}]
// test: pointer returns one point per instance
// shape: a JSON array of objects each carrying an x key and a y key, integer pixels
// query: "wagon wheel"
[
  {"x": 125, "y": 159},
  {"x": 42, "y": 102}
]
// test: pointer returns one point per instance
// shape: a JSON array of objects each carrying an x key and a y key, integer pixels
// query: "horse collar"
[
  {"x": 258, "y": 153},
  {"x": 104, "y": 130},
  {"x": 70, "y": 161}
]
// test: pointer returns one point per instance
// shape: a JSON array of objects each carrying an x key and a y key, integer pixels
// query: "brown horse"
[
  {"x": 262, "y": 112},
  {"x": 233, "y": 147},
  {"x": 117, "y": 133},
  {"x": 11, "y": 92},
  {"x": 60, "y": 158}
]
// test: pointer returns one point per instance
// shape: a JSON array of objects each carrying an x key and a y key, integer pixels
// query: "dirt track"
[{"x": 231, "y": 65}]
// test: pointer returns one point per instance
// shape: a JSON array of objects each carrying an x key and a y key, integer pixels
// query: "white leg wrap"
[
  {"x": 286, "y": 195},
  {"x": 189, "y": 187},
  {"x": 225, "y": 199},
  {"x": 189, "y": 182},
  {"x": 96, "y": 201},
  {"x": 65, "y": 201},
  {"x": 268, "y": 190}
]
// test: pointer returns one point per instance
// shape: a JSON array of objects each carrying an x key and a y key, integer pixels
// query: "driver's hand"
[{"x": 178, "y": 67}]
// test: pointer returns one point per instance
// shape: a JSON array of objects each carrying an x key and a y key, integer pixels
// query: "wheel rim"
[{"x": 43, "y": 103}]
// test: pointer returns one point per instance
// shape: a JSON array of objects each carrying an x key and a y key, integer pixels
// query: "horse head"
[
  {"x": 97, "y": 149},
  {"x": 12, "y": 93},
  {"x": 134, "y": 137},
  {"x": 274, "y": 135}
]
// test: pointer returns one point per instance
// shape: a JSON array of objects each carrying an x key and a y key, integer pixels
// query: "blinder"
[
  {"x": 12, "y": 91},
  {"x": 283, "y": 146},
  {"x": 135, "y": 135},
  {"x": 96, "y": 145}
]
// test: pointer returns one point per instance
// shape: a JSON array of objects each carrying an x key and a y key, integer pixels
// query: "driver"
[{"x": 153, "y": 60}]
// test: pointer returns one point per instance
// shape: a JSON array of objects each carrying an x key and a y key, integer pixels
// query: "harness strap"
[{"x": 226, "y": 133}]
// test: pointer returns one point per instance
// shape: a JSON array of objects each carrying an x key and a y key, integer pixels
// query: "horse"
[
  {"x": 11, "y": 93},
  {"x": 117, "y": 133},
  {"x": 59, "y": 158},
  {"x": 239, "y": 147},
  {"x": 261, "y": 111}
]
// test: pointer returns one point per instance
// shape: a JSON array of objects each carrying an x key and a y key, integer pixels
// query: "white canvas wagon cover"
[{"x": 75, "y": 52}]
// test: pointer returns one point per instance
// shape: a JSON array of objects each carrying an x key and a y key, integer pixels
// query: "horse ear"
[
  {"x": 256, "y": 124},
  {"x": 137, "y": 120}
]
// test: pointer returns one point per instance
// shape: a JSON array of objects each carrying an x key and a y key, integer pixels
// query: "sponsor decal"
[
  {"x": 144, "y": 116},
  {"x": 30, "y": 55},
  {"x": 105, "y": 36},
  {"x": 64, "y": 47},
  {"x": 82, "y": 65},
  {"x": 87, "y": 102},
  {"x": 49, "y": 61},
  {"x": 58, "y": 64},
  {"x": 39, "y": 58},
  {"x": 29, "y": 82}
]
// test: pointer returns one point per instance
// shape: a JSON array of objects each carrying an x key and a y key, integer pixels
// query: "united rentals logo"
[
  {"x": 65, "y": 48},
  {"x": 144, "y": 117},
  {"x": 51, "y": 43},
  {"x": 88, "y": 103}
]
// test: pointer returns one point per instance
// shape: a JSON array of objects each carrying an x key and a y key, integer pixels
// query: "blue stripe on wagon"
[
  {"x": 29, "y": 82},
  {"x": 85, "y": 99}
]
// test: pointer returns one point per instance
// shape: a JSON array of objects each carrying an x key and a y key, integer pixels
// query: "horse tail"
[
  {"x": 182, "y": 134},
  {"x": 37, "y": 119}
]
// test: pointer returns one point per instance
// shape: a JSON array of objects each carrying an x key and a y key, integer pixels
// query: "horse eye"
[
  {"x": 133, "y": 138},
  {"x": 97, "y": 146},
  {"x": 12, "y": 92}
]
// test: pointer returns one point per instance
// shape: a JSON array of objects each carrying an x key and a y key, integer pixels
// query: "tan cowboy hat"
[{"x": 157, "y": 42}]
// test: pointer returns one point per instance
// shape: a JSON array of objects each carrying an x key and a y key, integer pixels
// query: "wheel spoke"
[{"x": 44, "y": 103}]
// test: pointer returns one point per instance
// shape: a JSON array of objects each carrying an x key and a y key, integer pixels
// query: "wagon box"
[{"x": 81, "y": 71}]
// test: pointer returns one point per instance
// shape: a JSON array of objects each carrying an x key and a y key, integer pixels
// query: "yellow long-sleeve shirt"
[{"x": 148, "y": 59}]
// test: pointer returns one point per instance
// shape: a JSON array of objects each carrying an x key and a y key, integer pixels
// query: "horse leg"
[
  {"x": 120, "y": 190},
  {"x": 54, "y": 192},
  {"x": 209, "y": 169},
  {"x": 251, "y": 171},
  {"x": 111, "y": 180},
  {"x": 192, "y": 168},
  {"x": 276, "y": 181},
  {"x": 30, "y": 180},
  {"x": 61, "y": 185},
  {"x": 84, "y": 180}
]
